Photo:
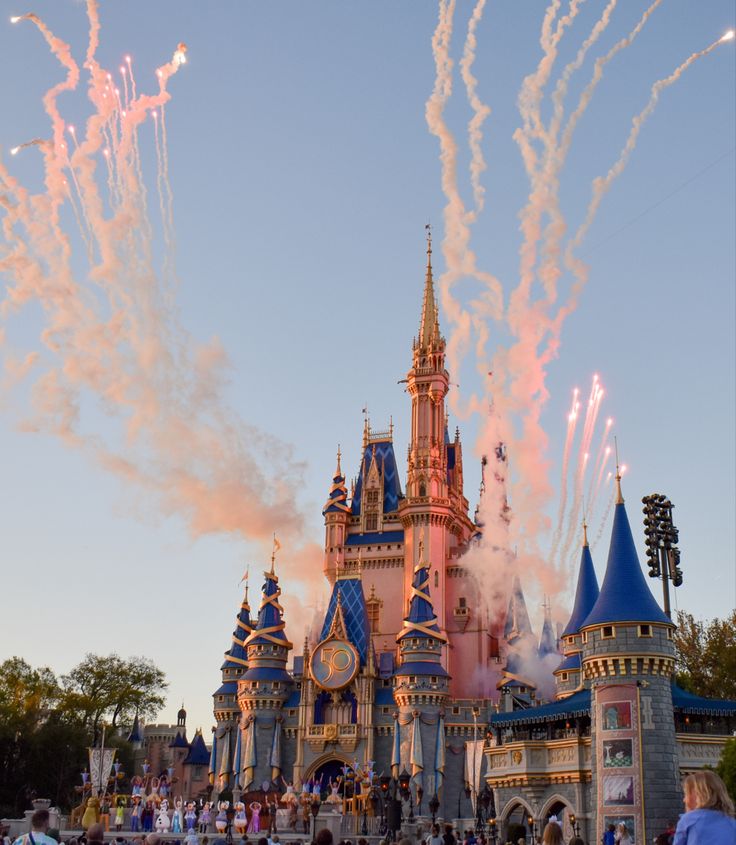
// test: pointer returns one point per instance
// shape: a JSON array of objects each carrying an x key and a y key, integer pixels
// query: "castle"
[{"x": 410, "y": 675}]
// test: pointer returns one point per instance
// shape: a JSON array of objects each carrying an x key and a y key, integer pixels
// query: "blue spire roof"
[
  {"x": 198, "y": 754},
  {"x": 338, "y": 495},
  {"x": 135, "y": 734},
  {"x": 422, "y": 620},
  {"x": 178, "y": 742},
  {"x": 270, "y": 625},
  {"x": 517, "y": 618},
  {"x": 236, "y": 656},
  {"x": 349, "y": 591},
  {"x": 586, "y": 594},
  {"x": 548, "y": 640},
  {"x": 386, "y": 460},
  {"x": 624, "y": 596}
]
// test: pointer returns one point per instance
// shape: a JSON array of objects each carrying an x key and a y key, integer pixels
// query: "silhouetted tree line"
[{"x": 47, "y": 723}]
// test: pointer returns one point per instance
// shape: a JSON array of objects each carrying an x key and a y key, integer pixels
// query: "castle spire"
[
  {"x": 625, "y": 595},
  {"x": 587, "y": 590},
  {"x": 429, "y": 327}
]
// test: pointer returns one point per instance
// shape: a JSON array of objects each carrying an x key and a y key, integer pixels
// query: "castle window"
[
  {"x": 220, "y": 697},
  {"x": 386, "y": 682},
  {"x": 645, "y": 630},
  {"x": 436, "y": 578},
  {"x": 371, "y": 522},
  {"x": 276, "y": 684},
  {"x": 385, "y": 710},
  {"x": 292, "y": 712},
  {"x": 563, "y": 676},
  {"x": 584, "y": 637},
  {"x": 461, "y": 602},
  {"x": 433, "y": 679},
  {"x": 422, "y": 489},
  {"x": 669, "y": 633},
  {"x": 373, "y": 609},
  {"x": 608, "y": 632},
  {"x": 372, "y": 497},
  {"x": 197, "y": 772},
  {"x": 412, "y": 679},
  {"x": 455, "y": 711}
]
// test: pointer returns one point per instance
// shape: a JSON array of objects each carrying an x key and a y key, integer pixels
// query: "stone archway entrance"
[{"x": 325, "y": 771}]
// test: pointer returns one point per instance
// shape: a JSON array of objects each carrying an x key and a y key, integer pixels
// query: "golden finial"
[
  {"x": 428, "y": 228},
  {"x": 619, "y": 497},
  {"x": 585, "y": 533},
  {"x": 338, "y": 471},
  {"x": 391, "y": 427}
]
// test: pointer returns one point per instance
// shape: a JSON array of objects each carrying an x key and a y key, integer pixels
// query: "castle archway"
[{"x": 325, "y": 769}]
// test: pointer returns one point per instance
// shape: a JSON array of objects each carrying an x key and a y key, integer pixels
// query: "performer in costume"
[
  {"x": 240, "y": 821},
  {"x": 135, "y": 814},
  {"x": 221, "y": 817},
  {"x": 289, "y": 797},
  {"x": 147, "y": 817},
  {"x": 163, "y": 822},
  {"x": 333, "y": 797},
  {"x": 120, "y": 814},
  {"x": 254, "y": 825},
  {"x": 205, "y": 817},
  {"x": 177, "y": 823},
  {"x": 190, "y": 817}
]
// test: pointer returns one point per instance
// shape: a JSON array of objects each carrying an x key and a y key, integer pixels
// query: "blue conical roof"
[
  {"x": 135, "y": 734},
  {"x": 548, "y": 641},
  {"x": 236, "y": 656},
  {"x": 270, "y": 625},
  {"x": 624, "y": 596},
  {"x": 338, "y": 496},
  {"x": 422, "y": 620},
  {"x": 198, "y": 753},
  {"x": 517, "y": 618},
  {"x": 586, "y": 594}
]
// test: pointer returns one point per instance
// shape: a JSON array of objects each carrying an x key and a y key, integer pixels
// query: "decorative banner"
[
  {"x": 473, "y": 766},
  {"x": 100, "y": 766},
  {"x": 620, "y": 798}
]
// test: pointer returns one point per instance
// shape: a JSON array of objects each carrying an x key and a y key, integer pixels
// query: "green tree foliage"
[
  {"x": 47, "y": 725},
  {"x": 112, "y": 690},
  {"x": 706, "y": 655},
  {"x": 726, "y": 768}
]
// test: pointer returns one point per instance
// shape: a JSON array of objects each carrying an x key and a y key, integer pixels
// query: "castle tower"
[
  {"x": 336, "y": 512},
  {"x": 515, "y": 683},
  {"x": 568, "y": 675},
  {"x": 628, "y": 657},
  {"x": 421, "y": 689},
  {"x": 548, "y": 640},
  {"x": 226, "y": 709},
  {"x": 262, "y": 691},
  {"x": 434, "y": 501}
]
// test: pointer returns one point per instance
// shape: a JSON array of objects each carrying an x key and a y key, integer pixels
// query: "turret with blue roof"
[
  {"x": 628, "y": 654},
  {"x": 568, "y": 673},
  {"x": 267, "y": 645},
  {"x": 522, "y": 648},
  {"x": 234, "y": 665},
  {"x": 420, "y": 641}
]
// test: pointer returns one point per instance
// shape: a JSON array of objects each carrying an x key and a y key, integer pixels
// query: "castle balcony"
[
  {"x": 533, "y": 762},
  {"x": 344, "y": 737},
  {"x": 698, "y": 750}
]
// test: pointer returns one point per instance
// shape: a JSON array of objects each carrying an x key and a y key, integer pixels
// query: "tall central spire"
[{"x": 429, "y": 328}]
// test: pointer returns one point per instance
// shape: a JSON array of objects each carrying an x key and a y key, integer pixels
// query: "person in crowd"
[
  {"x": 609, "y": 835},
  {"x": 39, "y": 831},
  {"x": 96, "y": 833},
  {"x": 708, "y": 816},
  {"x": 552, "y": 834},
  {"x": 324, "y": 837}
]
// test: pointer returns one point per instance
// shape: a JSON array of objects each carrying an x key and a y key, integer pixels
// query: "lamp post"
[
  {"x": 530, "y": 822},
  {"x": 574, "y": 823},
  {"x": 420, "y": 796},
  {"x": 484, "y": 802},
  {"x": 434, "y": 805},
  {"x": 662, "y": 538},
  {"x": 493, "y": 830},
  {"x": 405, "y": 791},
  {"x": 314, "y": 806}
]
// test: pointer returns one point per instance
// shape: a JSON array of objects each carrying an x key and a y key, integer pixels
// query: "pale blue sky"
[{"x": 303, "y": 174}]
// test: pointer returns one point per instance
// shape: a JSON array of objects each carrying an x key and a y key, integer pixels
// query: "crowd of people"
[{"x": 708, "y": 820}]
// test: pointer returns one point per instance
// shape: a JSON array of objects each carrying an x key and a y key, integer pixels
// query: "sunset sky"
[{"x": 303, "y": 174}]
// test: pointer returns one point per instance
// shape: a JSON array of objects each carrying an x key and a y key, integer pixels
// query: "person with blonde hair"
[
  {"x": 708, "y": 817},
  {"x": 552, "y": 834}
]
